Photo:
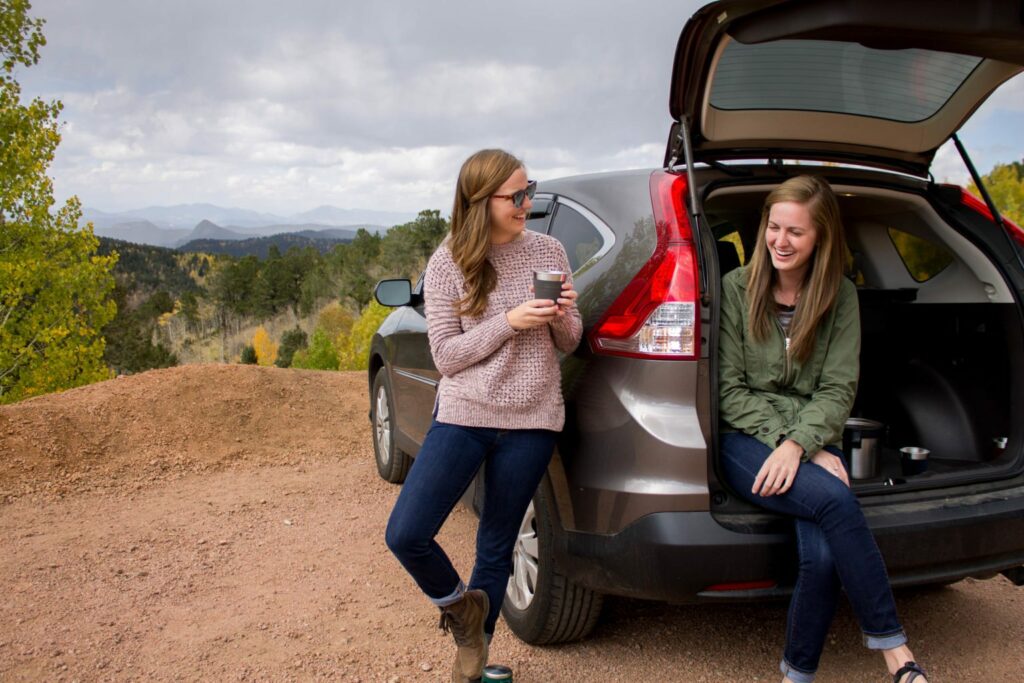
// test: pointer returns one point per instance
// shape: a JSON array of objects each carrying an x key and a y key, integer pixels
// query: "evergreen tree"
[
  {"x": 354, "y": 264},
  {"x": 129, "y": 337},
  {"x": 248, "y": 356},
  {"x": 291, "y": 341},
  {"x": 406, "y": 248}
]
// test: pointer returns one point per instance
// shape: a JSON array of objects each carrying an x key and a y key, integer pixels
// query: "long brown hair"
[
  {"x": 823, "y": 277},
  {"x": 470, "y": 237}
]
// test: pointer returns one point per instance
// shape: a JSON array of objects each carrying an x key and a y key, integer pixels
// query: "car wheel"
[
  {"x": 392, "y": 462},
  {"x": 542, "y": 606}
]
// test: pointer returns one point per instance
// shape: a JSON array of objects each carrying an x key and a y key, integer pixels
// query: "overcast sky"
[{"x": 283, "y": 107}]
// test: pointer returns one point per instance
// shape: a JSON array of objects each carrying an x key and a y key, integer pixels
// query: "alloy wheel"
[
  {"x": 522, "y": 585},
  {"x": 382, "y": 426}
]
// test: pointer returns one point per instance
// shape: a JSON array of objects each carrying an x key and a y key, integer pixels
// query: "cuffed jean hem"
[
  {"x": 451, "y": 598},
  {"x": 795, "y": 675},
  {"x": 885, "y": 642}
]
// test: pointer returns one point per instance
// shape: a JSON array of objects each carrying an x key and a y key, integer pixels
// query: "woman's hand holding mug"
[
  {"x": 533, "y": 313},
  {"x": 537, "y": 312},
  {"x": 567, "y": 299}
]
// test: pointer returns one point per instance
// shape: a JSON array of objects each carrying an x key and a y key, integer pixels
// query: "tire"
[
  {"x": 392, "y": 462},
  {"x": 542, "y": 606}
]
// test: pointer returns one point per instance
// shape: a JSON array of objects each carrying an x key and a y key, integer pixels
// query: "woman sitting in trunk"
[{"x": 788, "y": 367}]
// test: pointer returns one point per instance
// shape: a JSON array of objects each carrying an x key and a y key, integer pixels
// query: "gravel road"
[{"x": 225, "y": 523}]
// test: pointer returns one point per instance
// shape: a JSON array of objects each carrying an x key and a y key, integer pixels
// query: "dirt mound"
[{"x": 165, "y": 423}]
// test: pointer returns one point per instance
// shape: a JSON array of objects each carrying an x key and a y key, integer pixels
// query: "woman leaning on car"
[
  {"x": 499, "y": 402},
  {"x": 789, "y": 363}
]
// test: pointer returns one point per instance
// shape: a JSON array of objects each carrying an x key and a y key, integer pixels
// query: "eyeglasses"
[{"x": 519, "y": 197}]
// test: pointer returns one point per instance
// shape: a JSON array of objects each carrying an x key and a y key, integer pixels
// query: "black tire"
[
  {"x": 392, "y": 462},
  {"x": 559, "y": 610}
]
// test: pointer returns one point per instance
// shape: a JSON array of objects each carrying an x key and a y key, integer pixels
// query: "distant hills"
[
  {"x": 142, "y": 232},
  {"x": 179, "y": 225}
]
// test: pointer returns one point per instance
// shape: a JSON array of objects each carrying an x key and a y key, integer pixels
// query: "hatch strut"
[
  {"x": 695, "y": 208},
  {"x": 996, "y": 216}
]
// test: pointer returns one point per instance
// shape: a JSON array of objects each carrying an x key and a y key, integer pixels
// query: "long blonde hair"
[
  {"x": 470, "y": 237},
  {"x": 821, "y": 281}
]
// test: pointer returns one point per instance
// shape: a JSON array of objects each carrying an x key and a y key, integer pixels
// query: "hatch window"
[{"x": 837, "y": 77}]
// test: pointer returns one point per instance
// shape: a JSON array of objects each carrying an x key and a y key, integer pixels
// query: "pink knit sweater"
[{"x": 493, "y": 375}]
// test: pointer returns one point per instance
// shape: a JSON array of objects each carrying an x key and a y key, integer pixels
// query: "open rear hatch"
[{"x": 882, "y": 84}]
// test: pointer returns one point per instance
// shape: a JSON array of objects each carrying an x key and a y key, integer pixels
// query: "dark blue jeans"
[
  {"x": 835, "y": 546},
  {"x": 449, "y": 459}
]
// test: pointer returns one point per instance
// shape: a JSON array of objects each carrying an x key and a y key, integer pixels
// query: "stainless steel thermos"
[{"x": 862, "y": 441}]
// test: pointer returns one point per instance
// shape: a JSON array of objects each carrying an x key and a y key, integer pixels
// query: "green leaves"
[
  {"x": 54, "y": 287},
  {"x": 1005, "y": 184},
  {"x": 54, "y": 299},
  {"x": 20, "y": 35}
]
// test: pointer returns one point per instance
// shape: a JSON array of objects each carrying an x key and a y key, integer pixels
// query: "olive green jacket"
[{"x": 771, "y": 397}]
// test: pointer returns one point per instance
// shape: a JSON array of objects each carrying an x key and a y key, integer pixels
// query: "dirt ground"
[{"x": 225, "y": 523}]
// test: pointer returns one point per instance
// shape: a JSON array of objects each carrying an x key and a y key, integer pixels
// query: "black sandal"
[{"x": 911, "y": 668}]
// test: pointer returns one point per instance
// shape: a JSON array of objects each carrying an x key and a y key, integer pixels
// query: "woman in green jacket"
[{"x": 789, "y": 362}]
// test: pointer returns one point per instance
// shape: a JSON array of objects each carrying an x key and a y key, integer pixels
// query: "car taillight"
[
  {"x": 657, "y": 315},
  {"x": 972, "y": 202}
]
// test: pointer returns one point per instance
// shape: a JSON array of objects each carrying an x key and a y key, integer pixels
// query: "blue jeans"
[
  {"x": 835, "y": 546},
  {"x": 450, "y": 457}
]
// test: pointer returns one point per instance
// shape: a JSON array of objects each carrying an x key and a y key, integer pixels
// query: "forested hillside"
[
  {"x": 300, "y": 304},
  {"x": 144, "y": 269},
  {"x": 260, "y": 246}
]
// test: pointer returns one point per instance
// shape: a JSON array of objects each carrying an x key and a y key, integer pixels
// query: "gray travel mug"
[{"x": 547, "y": 284}]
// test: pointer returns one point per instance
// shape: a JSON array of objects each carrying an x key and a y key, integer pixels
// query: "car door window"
[
  {"x": 540, "y": 214},
  {"x": 581, "y": 239}
]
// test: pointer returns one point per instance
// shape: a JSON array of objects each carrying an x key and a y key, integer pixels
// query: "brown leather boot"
[{"x": 465, "y": 621}]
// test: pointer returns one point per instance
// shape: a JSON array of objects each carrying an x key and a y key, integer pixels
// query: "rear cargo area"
[
  {"x": 942, "y": 348},
  {"x": 939, "y": 376}
]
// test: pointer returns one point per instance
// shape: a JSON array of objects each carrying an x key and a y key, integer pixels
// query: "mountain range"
[{"x": 173, "y": 226}]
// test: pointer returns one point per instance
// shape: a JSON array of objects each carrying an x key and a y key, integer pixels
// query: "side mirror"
[{"x": 393, "y": 293}]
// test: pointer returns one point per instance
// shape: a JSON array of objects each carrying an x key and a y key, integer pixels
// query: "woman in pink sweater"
[{"x": 499, "y": 401}]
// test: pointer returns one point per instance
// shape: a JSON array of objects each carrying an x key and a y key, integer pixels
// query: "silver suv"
[{"x": 862, "y": 94}]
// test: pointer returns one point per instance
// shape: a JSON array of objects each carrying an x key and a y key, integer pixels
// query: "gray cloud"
[{"x": 284, "y": 106}]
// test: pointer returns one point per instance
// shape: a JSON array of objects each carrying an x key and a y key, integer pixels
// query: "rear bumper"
[{"x": 677, "y": 556}]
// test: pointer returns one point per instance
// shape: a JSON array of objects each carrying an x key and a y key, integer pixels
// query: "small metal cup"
[
  {"x": 497, "y": 672},
  {"x": 914, "y": 460},
  {"x": 547, "y": 284}
]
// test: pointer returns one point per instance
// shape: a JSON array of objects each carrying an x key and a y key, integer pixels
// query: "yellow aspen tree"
[
  {"x": 266, "y": 348},
  {"x": 354, "y": 347}
]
